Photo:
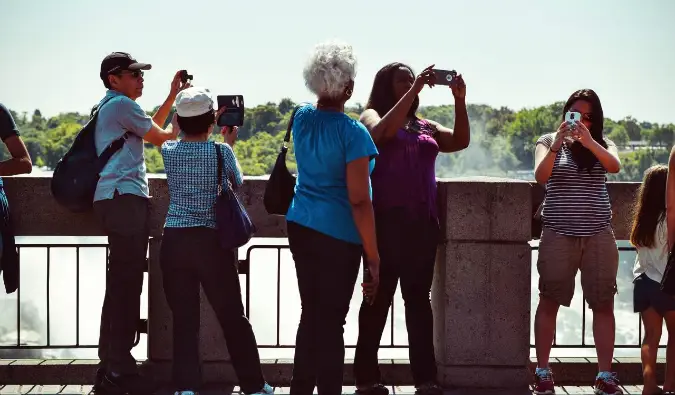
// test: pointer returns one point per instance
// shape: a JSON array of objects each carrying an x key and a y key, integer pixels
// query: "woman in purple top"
[{"x": 406, "y": 217}]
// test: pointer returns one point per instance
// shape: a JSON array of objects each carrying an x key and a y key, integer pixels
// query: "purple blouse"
[{"x": 405, "y": 172}]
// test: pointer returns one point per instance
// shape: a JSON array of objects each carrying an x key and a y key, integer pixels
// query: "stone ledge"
[{"x": 568, "y": 371}]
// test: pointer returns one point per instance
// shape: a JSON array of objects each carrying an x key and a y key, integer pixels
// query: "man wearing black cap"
[{"x": 121, "y": 202}]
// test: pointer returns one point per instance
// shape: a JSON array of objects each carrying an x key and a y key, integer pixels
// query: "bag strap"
[
  {"x": 219, "y": 155},
  {"x": 115, "y": 145},
  {"x": 287, "y": 137}
]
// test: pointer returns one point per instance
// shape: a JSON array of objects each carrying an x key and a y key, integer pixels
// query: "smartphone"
[
  {"x": 367, "y": 279},
  {"x": 572, "y": 117},
  {"x": 184, "y": 76},
  {"x": 234, "y": 115},
  {"x": 444, "y": 77}
]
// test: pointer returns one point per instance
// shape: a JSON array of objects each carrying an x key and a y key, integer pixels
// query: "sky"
[{"x": 514, "y": 53}]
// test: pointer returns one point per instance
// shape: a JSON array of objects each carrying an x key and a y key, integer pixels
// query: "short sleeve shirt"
[
  {"x": 7, "y": 125},
  {"x": 192, "y": 176},
  {"x": 324, "y": 143},
  {"x": 125, "y": 171},
  {"x": 577, "y": 202}
]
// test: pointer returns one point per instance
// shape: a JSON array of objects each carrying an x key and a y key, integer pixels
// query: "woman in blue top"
[
  {"x": 330, "y": 220},
  {"x": 190, "y": 254}
]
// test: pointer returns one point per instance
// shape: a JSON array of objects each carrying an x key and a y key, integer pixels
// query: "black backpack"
[{"x": 76, "y": 175}]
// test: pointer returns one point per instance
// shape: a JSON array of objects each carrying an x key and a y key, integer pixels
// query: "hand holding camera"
[{"x": 179, "y": 83}]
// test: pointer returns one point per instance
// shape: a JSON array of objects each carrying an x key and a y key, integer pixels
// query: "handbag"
[
  {"x": 233, "y": 224},
  {"x": 280, "y": 187},
  {"x": 668, "y": 280}
]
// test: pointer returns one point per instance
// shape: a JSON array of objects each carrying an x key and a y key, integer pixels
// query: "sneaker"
[
  {"x": 607, "y": 384},
  {"x": 429, "y": 389},
  {"x": 265, "y": 390},
  {"x": 543, "y": 382},
  {"x": 135, "y": 384},
  {"x": 375, "y": 389}
]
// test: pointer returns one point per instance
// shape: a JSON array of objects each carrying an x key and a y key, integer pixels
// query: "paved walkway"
[{"x": 86, "y": 389}]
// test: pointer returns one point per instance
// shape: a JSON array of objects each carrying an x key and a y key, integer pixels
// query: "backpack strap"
[{"x": 115, "y": 145}]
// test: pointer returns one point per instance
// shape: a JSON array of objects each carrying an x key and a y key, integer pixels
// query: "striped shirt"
[
  {"x": 192, "y": 176},
  {"x": 577, "y": 202}
]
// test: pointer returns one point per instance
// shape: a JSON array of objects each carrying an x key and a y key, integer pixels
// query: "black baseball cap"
[{"x": 119, "y": 61}]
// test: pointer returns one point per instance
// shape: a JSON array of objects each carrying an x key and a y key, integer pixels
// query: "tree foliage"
[{"x": 502, "y": 140}]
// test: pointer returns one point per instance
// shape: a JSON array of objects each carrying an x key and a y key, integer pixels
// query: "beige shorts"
[{"x": 560, "y": 257}]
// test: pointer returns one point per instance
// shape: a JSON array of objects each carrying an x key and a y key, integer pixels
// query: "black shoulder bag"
[{"x": 280, "y": 187}]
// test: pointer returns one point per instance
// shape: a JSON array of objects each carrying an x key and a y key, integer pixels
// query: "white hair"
[{"x": 329, "y": 68}]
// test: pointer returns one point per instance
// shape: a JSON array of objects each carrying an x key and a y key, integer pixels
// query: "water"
[{"x": 263, "y": 276}]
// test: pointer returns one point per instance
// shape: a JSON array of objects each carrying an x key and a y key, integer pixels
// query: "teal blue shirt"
[
  {"x": 324, "y": 143},
  {"x": 125, "y": 171}
]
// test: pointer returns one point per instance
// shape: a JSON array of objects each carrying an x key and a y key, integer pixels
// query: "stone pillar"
[{"x": 481, "y": 291}]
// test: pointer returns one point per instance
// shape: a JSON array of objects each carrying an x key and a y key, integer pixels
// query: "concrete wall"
[{"x": 481, "y": 292}]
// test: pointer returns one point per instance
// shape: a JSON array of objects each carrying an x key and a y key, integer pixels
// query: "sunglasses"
[{"x": 133, "y": 74}]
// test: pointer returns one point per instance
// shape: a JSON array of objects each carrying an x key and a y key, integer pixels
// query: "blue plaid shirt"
[{"x": 192, "y": 175}]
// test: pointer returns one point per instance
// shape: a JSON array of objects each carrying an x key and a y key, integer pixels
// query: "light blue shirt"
[
  {"x": 324, "y": 143},
  {"x": 125, "y": 171},
  {"x": 192, "y": 176}
]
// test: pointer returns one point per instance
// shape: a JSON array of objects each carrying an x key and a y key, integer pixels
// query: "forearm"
[
  {"x": 610, "y": 162},
  {"x": 394, "y": 119},
  {"x": 542, "y": 171},
  {"x": 163, "y": 112},
  {"x": 14, "y": 166},
  {"x": 461, "y": 132},
  {"x": 364, "y": 217}
]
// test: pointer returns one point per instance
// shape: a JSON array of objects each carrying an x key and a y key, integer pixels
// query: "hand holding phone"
[
  {"x": 371, "y": 280},
  {"x": 233, "y": 113}
]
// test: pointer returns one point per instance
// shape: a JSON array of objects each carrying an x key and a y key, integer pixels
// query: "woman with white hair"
[{"x": 330, "y": 221}]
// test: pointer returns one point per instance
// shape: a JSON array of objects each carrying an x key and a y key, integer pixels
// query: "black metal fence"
[{"x": 244, "y": 269}]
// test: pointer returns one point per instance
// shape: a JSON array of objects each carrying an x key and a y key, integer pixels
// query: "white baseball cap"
[{"x": 193, "y": 101}]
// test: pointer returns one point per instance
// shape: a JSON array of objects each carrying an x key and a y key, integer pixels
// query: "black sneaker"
[
  {"x": 375, "y": 389},
  {"x": 134, "y": 384},
  {"x": 429, "y": 389}
]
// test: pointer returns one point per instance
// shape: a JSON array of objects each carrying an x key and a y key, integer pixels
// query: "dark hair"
[
  {"x": 198, "y": 124},
  {"x": 582, "y": 155},
  {"x": 382, "y": 98},
  {"x": 650, "y": 206}
]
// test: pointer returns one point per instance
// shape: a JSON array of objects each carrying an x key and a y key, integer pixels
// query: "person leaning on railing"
[
  {"x": 19, "y": 163},
  {"x": 330, "y": 220},
  {"x": 191, "y": 255},
  {"x": 577, "y": 235}
]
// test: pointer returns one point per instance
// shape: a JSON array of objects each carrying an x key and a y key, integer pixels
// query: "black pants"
[
  {"x": 407, "y": 247},
  {"x": 125, "y": 221},
  {"x": 327, "y": 269},
  {"x": 190, "y": 257}
]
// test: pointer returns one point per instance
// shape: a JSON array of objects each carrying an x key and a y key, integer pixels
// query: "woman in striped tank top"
[{"x": 572, "y": 164}]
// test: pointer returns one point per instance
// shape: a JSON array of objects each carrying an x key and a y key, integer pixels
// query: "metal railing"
[
  {"x": 584, "y": 308},
  {"x": 244, "y": 269}
]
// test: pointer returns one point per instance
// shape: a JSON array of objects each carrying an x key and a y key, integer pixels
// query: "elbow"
[
  {"x": 26, "y": 166},
  {"x": 614, "y": 168},
  {"x": 359, "y": 202}
]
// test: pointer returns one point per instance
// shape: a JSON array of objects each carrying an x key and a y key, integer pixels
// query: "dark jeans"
[
  {"x": 190, "y": 257},
  {"x": 125, "y": 221},
  {"x": 407, "y": 247},
  {"x": 327, "y": 269}
]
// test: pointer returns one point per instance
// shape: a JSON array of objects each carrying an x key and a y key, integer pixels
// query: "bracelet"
[{"x": 551, "y": 149}]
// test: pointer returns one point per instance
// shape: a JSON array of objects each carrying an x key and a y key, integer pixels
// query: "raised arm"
[
  {"x": 546, "y": 149},
  {"x": 458, "y": 138},
  {"x": 383, "y": 128}
]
